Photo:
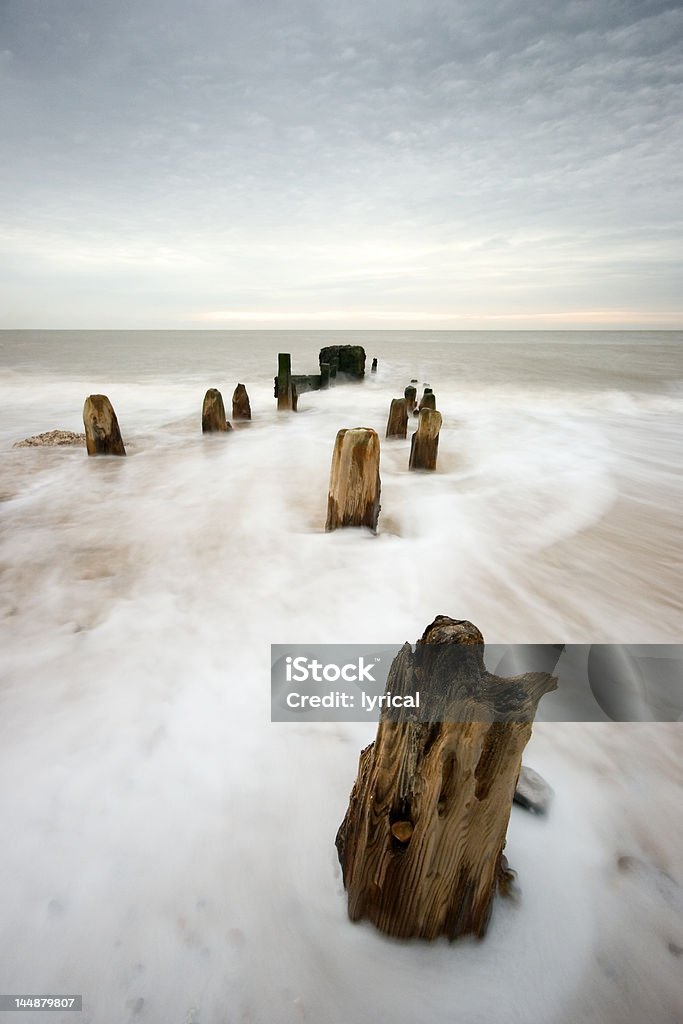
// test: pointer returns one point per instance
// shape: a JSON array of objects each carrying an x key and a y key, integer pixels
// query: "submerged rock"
[
  {"x": 52, "y": 439},
  {"x": 533, "y": 793}
]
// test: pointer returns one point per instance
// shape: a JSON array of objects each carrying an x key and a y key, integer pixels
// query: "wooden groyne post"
[
  {"x": 397, "y": 424},
  {"x": 428, "y": 400},
  {"x": 424, "y": 444},
  {"x": 354, "y": 491},
  {"x": 410, "y": 395},
  {"x": 213, "y": 413},
  {"x": 285, "y": 392},
  {"x": 241, "y": 406},
  {"x": 102, "y": 433},
  {"x": 347, "y": 360},
  {"x": 421, "y": 845}
]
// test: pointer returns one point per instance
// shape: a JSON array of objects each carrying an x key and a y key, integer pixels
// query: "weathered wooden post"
[
  {"x": 285, "y": 392},
  {"x": 410, "y": 394},
  {"x": 421, "y": 845},
  {"x": 397, "y": 425},
  {"x": 424, "y": 443},
  {"x": 428, "y": 400},
  {"x": 102, "y": 433},
  {"x": 213, "y": 413},
  {"x": 241, "y": 406},
  {"x": 353, "y": 498},
  {"x": 373, "y": 368}
]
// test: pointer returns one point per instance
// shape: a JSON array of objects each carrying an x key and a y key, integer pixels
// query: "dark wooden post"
[
  {"x": 373, "y": 368},
  {"x": 241, "y": 406},
  {"x": 353, "y": 498},
  {"x": 428, "y": 400},
  {"x": 213, "y": 413},
  {"x": 102, "y": 433},
  {"x": 284, "y": 389},
  {"x": 421, "y": 845},
  {"x": 424, "y": 443},
  {"x": 397, "y": 425},
  {"x": 410, "y": 394}
]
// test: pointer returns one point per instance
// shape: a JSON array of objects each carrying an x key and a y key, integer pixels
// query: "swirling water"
[{"x": 168, "y": 851}]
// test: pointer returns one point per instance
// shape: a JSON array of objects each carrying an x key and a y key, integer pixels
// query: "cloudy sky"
[{"x": 295, "y": 163}]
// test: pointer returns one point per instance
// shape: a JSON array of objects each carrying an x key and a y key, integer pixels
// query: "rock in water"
[
  {"x": 52, "y": 439},
  {"x": 533, "y": 792},
  {"x": 421, "y": 845},
  {"x": 397, "y": 425},
  {"x": 213, "y": 413},
  {"x": 241, "y": 407},
  {"x": 102, "y": 434},
  {"x": 353, "y": 498},
  {"x": 425, "y": 441},
  {"x": 348, "y": 359}
]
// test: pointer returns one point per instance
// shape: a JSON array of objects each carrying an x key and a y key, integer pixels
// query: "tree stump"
[
  {"x": 353, "y": 498},
  {"x": 241, "y": 406},
  {"x": 421, "y": 845},
  {"x": 410, "y": 394},
  {"x": 213, "y": 413},
  {"x": 397, "y": 424},
  {"x": 102, "y": 433},
  {"x": 424, "y": 444}
]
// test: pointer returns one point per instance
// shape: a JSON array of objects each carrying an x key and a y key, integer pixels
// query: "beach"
[{"x": 169, "y": 850}]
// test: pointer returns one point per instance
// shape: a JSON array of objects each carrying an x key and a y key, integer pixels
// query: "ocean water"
[{"x": 169, "y": 852}]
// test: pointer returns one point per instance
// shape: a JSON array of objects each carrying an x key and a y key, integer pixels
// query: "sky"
[{"x": 307, "y": 163}]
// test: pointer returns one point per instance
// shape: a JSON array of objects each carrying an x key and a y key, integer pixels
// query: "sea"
[{"x": 168, "y": 851}]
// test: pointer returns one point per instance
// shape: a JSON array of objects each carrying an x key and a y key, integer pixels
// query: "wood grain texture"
[
  {"x": 241, "y": 406},
  {"x": 421, "y": 845},
  {"x": 397, "y": 424},
  {"x": 354, "y": 491},
  {"x": 213, "y": 413},
  {"x": 102, "y": 433},
  {"x": 424, "y": 444}
]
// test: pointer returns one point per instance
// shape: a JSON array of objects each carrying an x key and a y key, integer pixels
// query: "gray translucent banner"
[{"x": 595, "y": 682}]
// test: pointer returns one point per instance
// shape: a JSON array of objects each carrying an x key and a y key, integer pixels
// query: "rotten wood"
[
  {"x": 421, "y": 845},
  {"x": 397, "y": 424},
  {"x": 354, "y": 491},
  {"x": 241, "y": 406},
  {"x": 424, "y": 445},
  {"x": 102, "y": 433}
]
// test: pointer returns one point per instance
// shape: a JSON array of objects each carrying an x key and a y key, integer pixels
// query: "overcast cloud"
[{"x": 263, "y": 163}]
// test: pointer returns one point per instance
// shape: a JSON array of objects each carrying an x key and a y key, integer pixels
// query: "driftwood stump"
[
  {"x": 424, "y": 444},
  {"x": 353, "y": 498},
  {"x": 410, "y": 394},
  {"x": 102, "y": 433},
  {"x": 421, "y": 845},
  {"x": 241, "y": 406},
  {"x": 397, "y": 424}
]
